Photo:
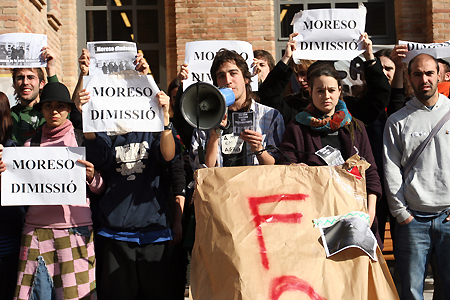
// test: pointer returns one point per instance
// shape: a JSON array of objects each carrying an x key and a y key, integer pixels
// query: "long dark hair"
[{"x": 5, "y": 119}]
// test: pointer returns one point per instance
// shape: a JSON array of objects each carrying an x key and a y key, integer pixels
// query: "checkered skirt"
[{"x": 69, "y": 258}]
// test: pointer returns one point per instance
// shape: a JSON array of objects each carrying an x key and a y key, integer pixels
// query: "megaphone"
[{"x": 204, "y": 106}]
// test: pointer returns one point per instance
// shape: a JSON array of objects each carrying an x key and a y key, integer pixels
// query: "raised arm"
[
  {"x": 83, "y": 61},
  {"x": 270, "y": 91},
  {"x": 374, "y": 102},
  {"x": 167, "y": 141},
  {"x": 48, "y": 55}
]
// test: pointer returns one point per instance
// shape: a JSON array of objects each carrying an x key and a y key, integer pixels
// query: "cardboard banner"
[
  {"x": 22, "y": 50},
  {"x": 122, "y": 103},
  {"x": 437, "y": 50},
  {"x": 43, "y": 176},
  {"x": 255, "y": 237},
  {"x": 200, "y": 55},
  {"x": 329, "y": 34},
  {"x": 111, "y": 57}
]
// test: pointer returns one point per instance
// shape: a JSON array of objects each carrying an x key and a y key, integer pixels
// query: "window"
[
  {"x": 140, "y": 21},
  {"x": 379, "y": 20}
]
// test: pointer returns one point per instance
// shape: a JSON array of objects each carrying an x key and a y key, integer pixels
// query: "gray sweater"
[{"x": 427, "y": 187}]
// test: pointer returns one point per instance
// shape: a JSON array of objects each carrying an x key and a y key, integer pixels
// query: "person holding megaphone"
[{"x": 226, "y": 145}]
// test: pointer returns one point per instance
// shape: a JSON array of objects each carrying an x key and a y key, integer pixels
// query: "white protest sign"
[
  {"x": 22, "y": 50},
  {"x": 111, "y": 57},
  {"x": 43, "y": 176},
  {"x": 437, "y": 50},
  {"x": 329, "y": 34},
  {"x": 122, "y": 104},
  {"x": 200, "y": 55}
]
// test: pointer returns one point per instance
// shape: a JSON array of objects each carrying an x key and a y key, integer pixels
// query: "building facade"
[{"x": 162, "y": 28}]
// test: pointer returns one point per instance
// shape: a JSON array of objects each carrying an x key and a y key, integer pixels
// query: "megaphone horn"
[{"x": 205, "y": 105}]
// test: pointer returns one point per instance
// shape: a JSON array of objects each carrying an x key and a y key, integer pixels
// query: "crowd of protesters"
[{"x": 132, "y": 237}]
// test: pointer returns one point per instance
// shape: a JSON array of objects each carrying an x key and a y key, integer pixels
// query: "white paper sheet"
[
  {"x": 22, "y": 50},
  {"x": 43, "y": 176},
  {"x": 200, "y": 55},
  {"x": 329, "y": 34},
  {"x": 122, "y": 104},
  {"x": 111, "y": 57}
]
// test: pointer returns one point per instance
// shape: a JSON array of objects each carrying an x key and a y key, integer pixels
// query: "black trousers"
[
  {"x": 132, "y": 271},
  {"x": 8, "y": 275}
]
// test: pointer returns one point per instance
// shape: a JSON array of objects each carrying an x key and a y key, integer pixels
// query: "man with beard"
[
  {"x": 27, "y": 84},
  {"x": 419, "y": 199}
]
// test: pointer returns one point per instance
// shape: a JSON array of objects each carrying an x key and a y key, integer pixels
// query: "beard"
[{"x": 425, "y": 95}]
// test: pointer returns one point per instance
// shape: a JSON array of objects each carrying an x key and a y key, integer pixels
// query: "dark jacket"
[
  {"x": 303, "y": 138},
  {"x": 367, "y": 108},
  {"x": 11, "y": 217},
  {"x": 135, "y": 172}
]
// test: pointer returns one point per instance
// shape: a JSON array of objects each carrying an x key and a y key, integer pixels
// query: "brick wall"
[
  {"x": 411, "y": 21},
  {"x": 439, "y": 13},
  {"x": 197, "y": 20},
  {"x": 68, "y": 39},
  {"x": 424, "y": 21}
]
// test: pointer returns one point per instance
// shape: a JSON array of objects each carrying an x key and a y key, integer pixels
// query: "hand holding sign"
[
  {"x": 141, "y": 64},
  {"x": 84, "y": 61},
  {"x": 367, "y": 45},
  {"x": 291, "y": 46},
  {"x": 184, "y": 72},
  {"x": 48, "y": 56}
]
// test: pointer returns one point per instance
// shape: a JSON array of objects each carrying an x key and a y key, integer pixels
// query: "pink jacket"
[{"x": 61, "y": 216}]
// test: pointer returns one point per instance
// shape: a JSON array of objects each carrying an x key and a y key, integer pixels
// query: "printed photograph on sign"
[
  {"x": 111, "y": 57},
  {"x": 22, "y": 50}
]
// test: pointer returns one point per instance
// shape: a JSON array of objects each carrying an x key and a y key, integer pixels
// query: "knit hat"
[{"x": 54, "y": 91}]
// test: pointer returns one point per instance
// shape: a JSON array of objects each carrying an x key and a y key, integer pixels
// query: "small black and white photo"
[
  {"x": 242, "y": 121},
  {"x": 349, "y": 232},
  {"x": 22, "y": 50},
  {"x": 111, "y": 57}
]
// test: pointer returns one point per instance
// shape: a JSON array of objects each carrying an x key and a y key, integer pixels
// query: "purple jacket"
[{"x": 303, "y": 138}]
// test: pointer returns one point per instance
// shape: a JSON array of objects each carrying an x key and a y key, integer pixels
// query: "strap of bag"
[{"x": 415, "y": 156}]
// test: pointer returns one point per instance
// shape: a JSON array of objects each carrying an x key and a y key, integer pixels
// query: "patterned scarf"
[{"x": 314, "y": 118}]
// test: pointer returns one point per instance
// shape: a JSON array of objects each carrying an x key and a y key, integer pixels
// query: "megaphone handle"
[{"x": 201, "y": 153}]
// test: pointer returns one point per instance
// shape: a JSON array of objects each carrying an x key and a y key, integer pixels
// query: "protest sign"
[
  {"x": 111, "y": 57},
  {"x": 22, "y": 50},
  {"x": 437, "y": 50},
  {"x": 255, "y": 237},
  {"x": 122, "y": 104},
  {"x": 329, "y": 34},
  {"x": 43, "y": 176},
  {"x": 200, "y": 55}
]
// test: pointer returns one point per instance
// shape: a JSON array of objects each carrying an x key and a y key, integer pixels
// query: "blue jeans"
[{"x": 413, "y": 245}]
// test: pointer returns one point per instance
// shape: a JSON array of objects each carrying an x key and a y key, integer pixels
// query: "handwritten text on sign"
[
  {"x": 43, "y": 176},
  {"x": 280, "y": 284}
]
